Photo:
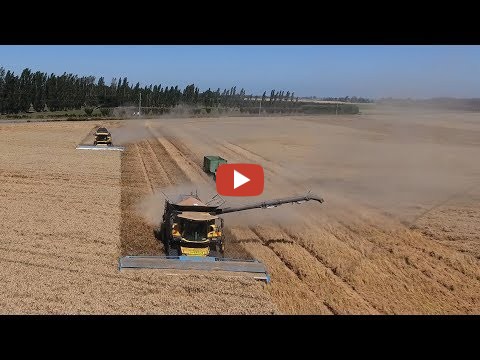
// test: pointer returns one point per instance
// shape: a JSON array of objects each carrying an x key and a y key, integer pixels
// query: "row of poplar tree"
[{"x": 38, "y": 91}]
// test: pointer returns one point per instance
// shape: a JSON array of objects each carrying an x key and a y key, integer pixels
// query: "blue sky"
[{"x": 369, "y": 71}]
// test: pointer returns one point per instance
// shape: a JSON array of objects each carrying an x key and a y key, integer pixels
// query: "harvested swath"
[
  {"x": 270, "y": 234},
  {"x": 455, "y": 226},
  {"x": 235, "y": 236},
  {"x": 178, "y": 165},
  {"x": 233, "y": 246},
  {"x": 331, "y": 249},
  {"x": 390, "y": 240},
  {"x": 329, "y": 288},
  {"x": 136, "y": 234},
  {"x": 395, "y": 275},
  {"x": 323, "y": 281},
  {"x": 419, "y": 244},
  {"x": 241, "y": 234},
  {"x": 291, "y": 295}
]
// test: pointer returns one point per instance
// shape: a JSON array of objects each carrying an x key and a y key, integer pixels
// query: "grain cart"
[{"x": 211, "y": 164}]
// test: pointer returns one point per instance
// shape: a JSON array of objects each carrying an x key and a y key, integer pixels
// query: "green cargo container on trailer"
[{"x": 211, "y": 164}]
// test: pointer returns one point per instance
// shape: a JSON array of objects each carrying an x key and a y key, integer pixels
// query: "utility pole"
[
  {"x": 260, "y": 108},
  {"x": 139, "y": 104}
]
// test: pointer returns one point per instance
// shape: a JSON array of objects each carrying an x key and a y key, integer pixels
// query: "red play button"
[{"x": 239, "y": 179}]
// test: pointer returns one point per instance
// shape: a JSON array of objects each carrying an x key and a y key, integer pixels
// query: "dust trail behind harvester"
[
  {"x": 151, "y": 206},
  {"x": 130, "y": 131},
  {"x": 402, "y": 161}
]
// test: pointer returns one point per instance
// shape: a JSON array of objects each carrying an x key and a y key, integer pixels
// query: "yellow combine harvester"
[
  {"x": 102, "y": 137},
  {"x": 192, "y": 234},
  {"x": 103, "y": 141}
]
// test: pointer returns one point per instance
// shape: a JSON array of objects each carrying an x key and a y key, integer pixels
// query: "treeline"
[
  {"x": 347, "y": 99},
  {"x": 38, "y": 91}
]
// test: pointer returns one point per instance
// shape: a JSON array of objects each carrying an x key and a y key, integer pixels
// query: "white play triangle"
[{"x": 239, "y": 179}]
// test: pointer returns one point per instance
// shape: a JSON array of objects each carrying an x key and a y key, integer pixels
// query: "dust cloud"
[
  {"x": 151, "y": 207},
  {"x": 401, "y": 161},
  {"x": 130, "y": 131}
]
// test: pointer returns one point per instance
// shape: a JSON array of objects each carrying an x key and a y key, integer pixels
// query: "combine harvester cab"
[
  {"x": 192, "y": 234},
  {"x": 103, "y": 141}
]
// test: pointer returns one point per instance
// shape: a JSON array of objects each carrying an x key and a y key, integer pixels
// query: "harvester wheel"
[
  {"x": 214, "y": 253},
  {"x": 173, "y": 251}
]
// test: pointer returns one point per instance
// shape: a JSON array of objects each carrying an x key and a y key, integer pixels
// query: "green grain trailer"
[{"x": 211, "y": 164}]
